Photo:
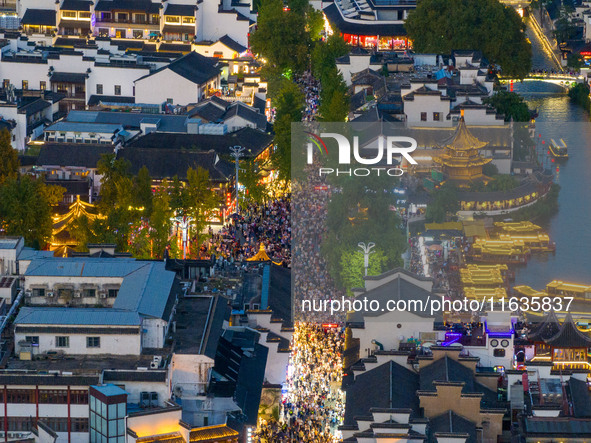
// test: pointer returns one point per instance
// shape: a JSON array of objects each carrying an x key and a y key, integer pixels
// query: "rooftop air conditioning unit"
[
  {"x": 102, "y": 295},
  {"x": 77, "y": 294},
  {"x": 49, "y": 294}
]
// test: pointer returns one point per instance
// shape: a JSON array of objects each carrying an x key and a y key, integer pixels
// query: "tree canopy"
[
  {"x": 511, "y": 105},
  {"x": 441, "y": 26}
]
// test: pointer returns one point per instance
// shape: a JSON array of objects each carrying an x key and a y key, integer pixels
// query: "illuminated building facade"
[
  {"x": 375, "y": 24},
  {"x": 562, "y": 344},
  {"x": 461, "y": 160}
]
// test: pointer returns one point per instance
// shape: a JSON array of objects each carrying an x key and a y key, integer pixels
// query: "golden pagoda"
[{"x": 461, "y": 160}]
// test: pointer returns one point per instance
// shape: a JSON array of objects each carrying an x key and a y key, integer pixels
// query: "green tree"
[
  {"x": 25, "y": 210},
  {"x": 251, "y": 175},
  {"x": 579, "y": 94},
  {"x": 160, "y": 221},
  {"x": 361, "y": 213},
  {"x": 142, "y": 191},
  {"x": 281, "y": 36},
  {"x": 511, "y": 105},
  {"x": 445, "y": 203},
  {"x": 353, "y": 267},
  {"x": 440, "y": 26},
  {"x": 564, "y": 27},
  {"x": 290, "y": 104},
  {"x": 575, "y": 61},
  {"x": 199, "y": 199},
  {"x": 8, "y": 156},
  {"x": 335, "y": 108}
]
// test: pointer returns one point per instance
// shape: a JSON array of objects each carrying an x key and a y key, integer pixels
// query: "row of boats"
[{"x": 511, "y": 243}]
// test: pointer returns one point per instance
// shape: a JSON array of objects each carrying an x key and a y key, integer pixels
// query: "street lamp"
[
  {"x": 237, "y": 153},
  {"x": 367, "y": 251}
]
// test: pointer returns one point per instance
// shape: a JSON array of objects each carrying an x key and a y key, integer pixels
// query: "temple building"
[
  {"x": 562, "y": 344},
  {"x": 461, "y": 160}
]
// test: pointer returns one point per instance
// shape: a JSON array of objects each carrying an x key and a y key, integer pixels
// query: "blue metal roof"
[
  {"x": 147, "y": 290},
  {"x": 166, "y": 122},
  {"x": 76, "y": 316},
  {"x": 109, "y": 390},
  {"x": 145, "y": 286},
  {"x": 31, "y": 254},
  {"x": 73, "y": 126},
  {"x": 84, "y": 267}
]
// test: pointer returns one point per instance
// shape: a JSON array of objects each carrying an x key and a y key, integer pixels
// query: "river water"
[{"x": 570, "y": 228}]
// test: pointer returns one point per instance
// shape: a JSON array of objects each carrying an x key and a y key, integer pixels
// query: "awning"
[
  {"x": 75, "y": 24},
  {"x": 172, "y": 29},
  {"x": 68, "y": 77}
]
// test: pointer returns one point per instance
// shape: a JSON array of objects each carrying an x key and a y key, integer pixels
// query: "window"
[
  {"x": 436, "y": 116},
  {"x": 188, "y": 20},
  {"x": 120, "y": 33},
  {"x": 5, "y": 83},
  {"x": 121, "y": 17},
  {"x": 38, "y": 292},
  {"x": 33, "y": 339},
  {"x": 93, "y": 342},
  {"x": 105, "y": 17},
  {"x": 423, "y": 116},
  {"x": 43, "y": 85},
  {"x": 499, "y": 352},
  {"x": 117, "y": 89},
  {"x": 172, "y": 19},
  {"x": 84, "y": 15},
  {"x": 99, "y": 89},
  {"x": 103, "y": 32},
  {"x": 138, "y": 33},
  {"x": 25, "y": 85},
  {"x": 89, "y": 293},
  {"x": 62, "y": 342},
  {"x": 69, "y": 14},
  {"x": 112, "y": 293},
  {"x": 140, "y": 19}
]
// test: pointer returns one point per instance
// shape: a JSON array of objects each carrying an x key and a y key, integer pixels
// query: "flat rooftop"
[
  {"x": 79, "y": 364},
  {"x": 199, "y": 324}
]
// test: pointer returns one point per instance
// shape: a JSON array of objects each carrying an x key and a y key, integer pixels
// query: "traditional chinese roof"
[
  {"x": 547, "y": 329},
  {"x": 463, "y": 139},
  {"x": 569, "y": 336}
]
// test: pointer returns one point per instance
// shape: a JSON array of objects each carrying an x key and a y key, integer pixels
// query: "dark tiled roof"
[
  {"x": 247, "y": 113},
  {"x": 68, "y": 77},
  {"x": 581, "y": 397},
  {"x": 232, "y": 44},
  {"x": 569, "y": 336},
  {"x": 397, "y": 289},
  {"x": 72, "y": 154},
  {"x": 560, "y": 427},
  {"x": 174, "y": 47},
  {"x": 129, "y": 5},
  {"x": 193, "y": 66},
  {"x": 178, "y": 29},
  {"x": 548, "y": 328},
  {"x": 208, "y": 111},
  {"x": 252, "y": 140},
  {"x": 72, "y": 187},
  {"x": 447, "y": 369},
  {"x": 366, "y": 28},
  {"x": 184, "y": 10},
  {"x": 75, "y": 5},
  {"x": 149, "y": 376},
  {"x": 43, "y": 17},
  {"x": 166, "y": 163},
  {"x": 34, "y": 107},
  {"x": 387, "y": 386},
  {"x": 451, "y": 423},
  {"x": 94, "y": 100}
]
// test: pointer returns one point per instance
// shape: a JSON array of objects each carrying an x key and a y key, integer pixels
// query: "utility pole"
[
  {"x": 237, "y": 153},
  {"x": 367, "y": 251}
]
